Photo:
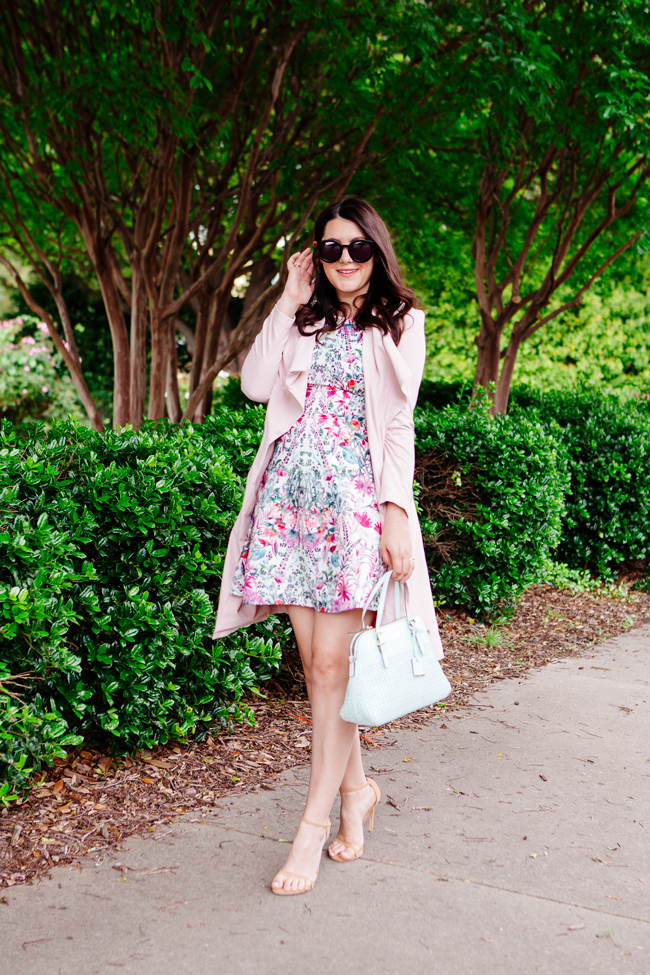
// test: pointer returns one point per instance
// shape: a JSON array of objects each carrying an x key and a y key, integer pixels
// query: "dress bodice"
[{"x": 337, "y": 360}]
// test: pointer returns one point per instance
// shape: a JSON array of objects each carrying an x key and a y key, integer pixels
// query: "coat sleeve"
[
  {"x": 399, "y": 445},
  {"x": 262, "y": 364}
]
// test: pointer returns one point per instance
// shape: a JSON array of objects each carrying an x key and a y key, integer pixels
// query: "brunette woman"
[{"x": 329, "y": 498}]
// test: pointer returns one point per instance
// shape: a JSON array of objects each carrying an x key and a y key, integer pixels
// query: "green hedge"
[
  {"x": 112, "y": 546},
  {"x": 606, "y": 442},
  {"x": 111, "y": 550},
  {"x": 492, "y": 494}
]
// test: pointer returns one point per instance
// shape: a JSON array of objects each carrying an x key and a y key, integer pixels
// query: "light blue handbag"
[{"x": 393, "y": 666}]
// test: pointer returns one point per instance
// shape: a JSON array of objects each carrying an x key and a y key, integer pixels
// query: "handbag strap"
[
  {"x": 382, "y": 588},
  {"x": 382, "y": 582}
]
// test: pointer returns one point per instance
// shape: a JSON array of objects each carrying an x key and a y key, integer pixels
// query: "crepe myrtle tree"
[
  {"x": 542, "y": 165},
  {"x": 166, "y": 148},
  {"x": 560, "y": 142}
]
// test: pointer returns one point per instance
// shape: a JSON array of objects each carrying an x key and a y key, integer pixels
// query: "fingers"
[
  {"x": 385, "y": 555},
  {"x": 401, "y": 563},
  {"x": 300, "y": 259},
  {"x": 402, "y": 570}
]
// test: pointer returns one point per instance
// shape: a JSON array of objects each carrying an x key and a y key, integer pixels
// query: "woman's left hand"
[{"x": 395, "y": 545}]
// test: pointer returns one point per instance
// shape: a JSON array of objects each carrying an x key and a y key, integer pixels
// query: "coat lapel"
[
  {"x": 402, "y": 372},
  {"x": 388, "y": 364},
  {"x": 388, "y": 361},
  {"x": 297, "y": 362}
]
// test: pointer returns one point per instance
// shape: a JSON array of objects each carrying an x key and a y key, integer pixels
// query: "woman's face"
[{"x": 350, "y": 279}]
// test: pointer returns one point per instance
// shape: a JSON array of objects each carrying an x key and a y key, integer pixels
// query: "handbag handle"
[{"x": 400, "y": 590}]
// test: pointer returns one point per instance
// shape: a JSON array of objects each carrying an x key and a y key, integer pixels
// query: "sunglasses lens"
[
  {"x": 361, "y": 251},
  {"x": 330, "y": 251}
]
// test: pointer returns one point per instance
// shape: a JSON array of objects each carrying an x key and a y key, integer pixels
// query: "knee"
[{"x": 326, "y": 670}]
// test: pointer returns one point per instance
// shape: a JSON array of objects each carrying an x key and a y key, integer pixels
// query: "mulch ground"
[{"x": 91, "y": 801}]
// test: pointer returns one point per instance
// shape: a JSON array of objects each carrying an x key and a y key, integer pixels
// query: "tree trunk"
[
  {"x": 207, "y": 298},
  {"x": 218, "y": 309},
  {"x": 489, "y": 352},
  {"x": 172, "y": 398},
  {"x": 502, "y": 393},
  {"x": 517, "y": 336},
  {"x": 158, "y": 367},
  {"x": 119, "y": 336},
  {"x": 138, "y": 363}
]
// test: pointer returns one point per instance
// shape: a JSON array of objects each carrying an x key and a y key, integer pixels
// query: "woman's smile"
[{"x": 350, "y": 280}]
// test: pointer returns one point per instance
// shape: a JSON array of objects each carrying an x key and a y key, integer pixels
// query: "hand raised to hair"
[{"x": 299, "y": 286}]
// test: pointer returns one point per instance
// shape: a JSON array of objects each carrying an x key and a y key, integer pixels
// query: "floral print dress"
[{"x": 314, "y": 534}]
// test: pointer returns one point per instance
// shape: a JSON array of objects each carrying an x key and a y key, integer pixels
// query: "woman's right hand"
[{"x": 299, "y": 286}]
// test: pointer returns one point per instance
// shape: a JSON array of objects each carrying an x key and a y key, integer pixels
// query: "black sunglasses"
[{"x": 360, "y": 251}]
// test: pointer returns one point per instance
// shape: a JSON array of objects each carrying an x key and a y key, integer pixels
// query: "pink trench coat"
[{"x": 275, "y": 372}]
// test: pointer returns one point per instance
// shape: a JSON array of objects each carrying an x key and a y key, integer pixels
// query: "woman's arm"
[
  {"x": 413, "y": 349},
  {"x": 399, "y": 458},
  {"x": 261, "y": 366},
  {"x": 260, "y": 369},
  {"x": 399, "y": 445}
]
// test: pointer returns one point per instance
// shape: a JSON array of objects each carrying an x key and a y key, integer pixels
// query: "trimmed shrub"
[
  {"x": 606, "y": 441},
  {"x": 112, "y": 546},
  {"x": 237, "y": 434},
  {"x": 491, "y": 492},
  {"x": 111, "y": 551},
  {"x": 230, "y": 396}
]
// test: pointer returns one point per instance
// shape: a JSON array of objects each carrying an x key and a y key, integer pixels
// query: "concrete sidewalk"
[{"x": 515, "y": 841}]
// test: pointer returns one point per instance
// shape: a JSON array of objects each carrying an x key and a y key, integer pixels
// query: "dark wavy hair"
[{"x": 388, "y": 298}]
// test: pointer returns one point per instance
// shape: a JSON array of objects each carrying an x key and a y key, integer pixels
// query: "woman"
[{"x": 329, "y": 498}]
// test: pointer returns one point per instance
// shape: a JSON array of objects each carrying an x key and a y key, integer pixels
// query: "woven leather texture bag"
[{"x": 393, "y": 667}]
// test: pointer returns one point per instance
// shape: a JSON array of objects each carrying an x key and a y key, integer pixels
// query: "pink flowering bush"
[{"x": 34, "y": 383}]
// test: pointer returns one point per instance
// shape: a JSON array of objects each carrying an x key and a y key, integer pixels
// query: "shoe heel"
[{"x": 371, "y": 824}]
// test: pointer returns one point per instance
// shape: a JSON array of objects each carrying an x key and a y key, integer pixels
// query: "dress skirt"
[{"x": 314, "y": 534}]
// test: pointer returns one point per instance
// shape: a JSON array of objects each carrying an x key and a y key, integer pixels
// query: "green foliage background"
[{"x": 604, "y": 343}]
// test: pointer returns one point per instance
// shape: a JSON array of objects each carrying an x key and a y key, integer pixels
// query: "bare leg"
[
  {"x": 326, "y": 658},
  {"x": 354, "y": 805},
  {"x": 302, "y": 620}
]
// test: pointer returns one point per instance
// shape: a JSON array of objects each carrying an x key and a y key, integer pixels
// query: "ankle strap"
[
  {"x": 318, "y": 825},
  {"x": 358, "y": 788}
]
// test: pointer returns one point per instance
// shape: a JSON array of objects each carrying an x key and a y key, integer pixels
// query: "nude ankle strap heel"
[
  {"x": 300, "y": 876},
  {"x": 326, "y": 826},
  {"x": 358, "y": 851}
]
